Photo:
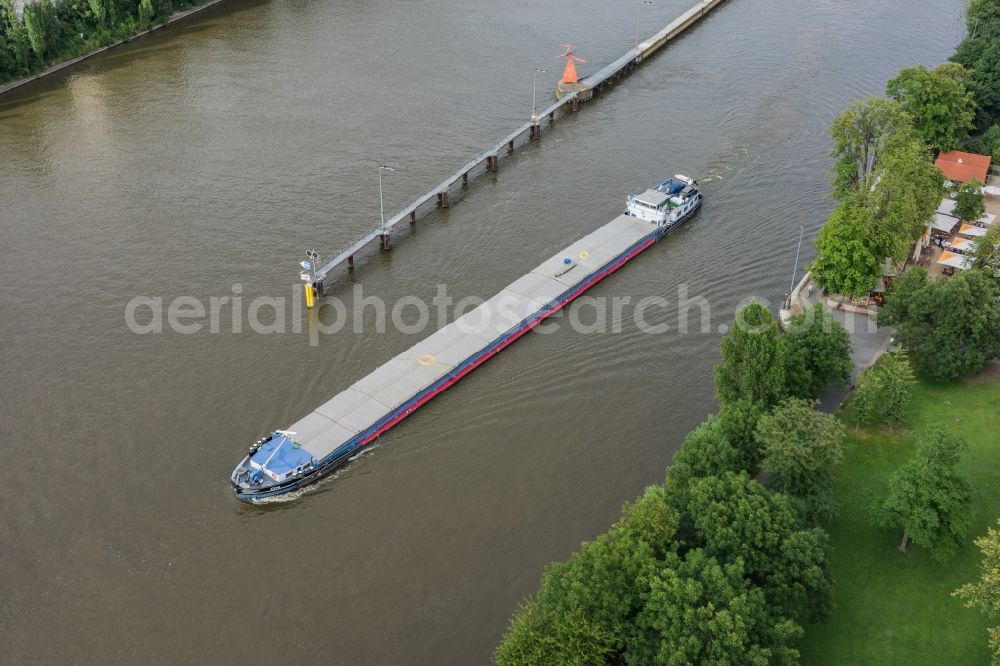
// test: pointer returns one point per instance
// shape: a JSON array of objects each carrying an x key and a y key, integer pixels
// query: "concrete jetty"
[{"x": 568, "y": 101}]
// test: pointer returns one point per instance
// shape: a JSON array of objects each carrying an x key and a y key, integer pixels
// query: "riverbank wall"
[{"x": 174, "y": 18}]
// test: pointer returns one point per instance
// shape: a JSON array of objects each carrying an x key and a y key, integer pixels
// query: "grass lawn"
[{"x": 896, "y": 608}]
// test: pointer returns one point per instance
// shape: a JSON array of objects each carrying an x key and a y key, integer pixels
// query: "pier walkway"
[{"x": 568, "y": 101}]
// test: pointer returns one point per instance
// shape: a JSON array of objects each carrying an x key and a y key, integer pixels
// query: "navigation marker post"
[
  {"x": 534, "y": 132},
  {"x": 310, "y": 277}
]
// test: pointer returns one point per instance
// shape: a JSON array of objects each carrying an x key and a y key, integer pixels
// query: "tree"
[
  {"x": 987, "y": 144},
  {"x": 706, "y": 612},
  {"x": 888, "y": 187},
  {"x": 949, "y": 325},
  {"x": 867, "y": 396},
  {"x": 751, "y": 367},
  {"x": 539, "y": 636},
  {"x": 844, "y": 263},
  {"x": 970, "y": 204},
  {"x": 99, "y": 10},
  {"x": 817, "y": 353},
  {"x": 146, "y": 13},
  {"x": 705, "y": 452},
  {"x": 985, "y": 594},
  {"x": 941, "y": 107},
  {"x": 801, "y": 446},
  {"x": 896, "y": 378},
  {"x": 584, "y": 610},
  {"x": 43, "y": 28},
  {"x": 734, "y": 518},
  {"x": 986, "y": 78},
  {"x": 17, "y": 38},
  {"x": 905, "y": 195},
  {"x": 986, "y": 249},
  {"x": 860, "y": 136},
  {"x": 163, "y": 10},
  {"x": 737, "y": 423},
  {"x": 926, "y": 498}
]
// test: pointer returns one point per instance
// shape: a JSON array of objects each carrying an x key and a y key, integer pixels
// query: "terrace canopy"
[
  {"x": 954, "y": 260},
  {"x": 944, "y": 223},
  {"x": 971, "y": 230},
  {"x": 947, "y": 207},
  {"x": 963, "y": 244}
]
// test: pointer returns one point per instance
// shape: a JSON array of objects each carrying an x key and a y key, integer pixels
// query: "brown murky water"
[{"x": 214, "y": 153}]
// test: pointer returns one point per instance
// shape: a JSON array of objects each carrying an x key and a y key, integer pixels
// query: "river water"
[{"x": 213, "y": 154}]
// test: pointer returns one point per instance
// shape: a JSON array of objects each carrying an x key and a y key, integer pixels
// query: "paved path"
[{"x": 868, "y": 342}]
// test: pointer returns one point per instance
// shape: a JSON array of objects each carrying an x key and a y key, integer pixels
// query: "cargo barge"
[{"x": 322, "y": 441}]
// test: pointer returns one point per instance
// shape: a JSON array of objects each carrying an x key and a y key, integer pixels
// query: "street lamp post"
[
  {"x": 638, "y": 20},
  {"x": 381, "y": 203},
  {"x": 534, "y": 81}
]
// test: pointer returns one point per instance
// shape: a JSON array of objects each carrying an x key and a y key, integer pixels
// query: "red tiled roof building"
[{"x": 962, "y": 167}]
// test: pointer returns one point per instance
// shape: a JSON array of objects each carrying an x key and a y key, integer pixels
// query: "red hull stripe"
[{"x": 525, "y": 327}]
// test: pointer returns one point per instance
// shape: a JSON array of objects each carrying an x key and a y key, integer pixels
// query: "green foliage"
[
  {"x": 905, "y": 195},
  {"x": 706, "y": 612},
  {"x": 888, "y": 188},
  {"x": 817, "y": 353},
  {"x": 867, "y": 396},
  {"x": 927, "y": 499},
  {"x": 986, "y": 78},
  {"x": 986, "y": 249},
  {"x": 985, "y": 593},
  {"x": 55, "y": 31},
  {"x": 861, "y": 135},
  {"x": 845, "y": 264},
  {"x": 751, "y": 367},
  {"x": 541, "y": 636},
  {"x": 737, "y": 519},
  {"x": 951, "y": 326},
  {"x": 146, "y": 13},
  {"x": 801, "y": 446},
  {"x": 941, "y": 107},
  {"x": 100, "y": 11},
  {"x": 970, "y": 203},
  {"x": 896, "y": 378},
  {"x": 987, "y": 144},
  {"x": 705, "y": 452},
  {"x": 43, "y": 28},
  {"x": 584, "y": 610},
  {"x": 737, "y": 421}
]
